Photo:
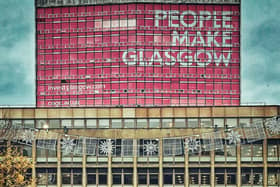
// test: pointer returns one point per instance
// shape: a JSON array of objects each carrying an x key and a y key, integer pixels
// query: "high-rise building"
[
  {"x": 137, "y": 53},
  {"x": 137, "y": 93}
]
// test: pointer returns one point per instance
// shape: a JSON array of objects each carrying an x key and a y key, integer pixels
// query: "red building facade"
[{"x": 137, "y": 54}]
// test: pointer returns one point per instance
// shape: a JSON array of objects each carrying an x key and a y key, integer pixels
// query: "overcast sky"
[{"x": 260, "y": 68}]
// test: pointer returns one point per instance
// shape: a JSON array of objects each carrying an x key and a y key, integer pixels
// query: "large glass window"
[
  {"x": 244, "y": 122},
  {"x": 179, "y": 123},
  {"x": 167, "y": 123},
  {"x": 54, "y": 123},
  {"x": 104, "y": 123},
  {"x": 173, "y": 147},
  {"x": 231, "y": 122},
  {"x": 122, "y": 175},
  {"x": 148, "y": 147},
  {"x": 79, "y": 123},
  {"x": 252, "y": 176},
  {"x": 142, "y": 123},
  {"x": 273, "y": 150},
  {"x": 154, "y": 123},
  {"x": 148, "y": 176},
  {"x": 102, "y": 176},
  {"x": 129, "y": 123},
  {"x": 206, "y": 123},
  {"x": 116, "y": 123},
  {"x": 199, "y": 176},
  {"x": 273, "y": 177},
  {"x": 29, "y": 123},
  {"x": 250, "y": 152},
  {"x": 225, "y": 175},
  {"x": 46, "y": 176},
  {"x": 91, "y": 123},
  {"x": 66, "y": 123},
  {"x": 173, "y": 176},
  {"x": 192, "y": 123},
  {"x": 91, "y": 176},
  {"x": 71, "y": 175}
]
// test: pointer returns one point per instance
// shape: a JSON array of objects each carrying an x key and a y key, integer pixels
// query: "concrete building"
[
  {"x": 142, "y": 93},
  {"x": 148, "y": 146}
]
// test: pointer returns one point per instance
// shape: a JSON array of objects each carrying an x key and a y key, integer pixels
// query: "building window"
[
  {"x": 173, "y": 176},
  {"x": 54, "y": 123},
  {"x": 102, "y": 176},
  {"x": 91, "y": 123},
  {"x": 148, "y": 176},
  {"x": 225, "y": 175},
  {"x": 46, "y": 176},
  {"x": 148, "y": 147},
  {"x": 273, "y": 176},
  {"x": 173, "y": 147},
  {"x": 199, "y": 176},
  {"x": 71, "y": 175},
  {"x": 66, "y": 123},
  {"x": 128, "y": 123},
  {"x": 273, "y": 150},
  {"x": 45, "y": 153},
  {"x": 79, "y": 123},
  {"x": 244, "y": 122},
  {"x": 29, "y": 123},
  {"x": 104, "y": 123},
  {"x": 179, "y": 123},
  {"x": 231, "y": 122},
  {"x": 219, "y": 122},
  {"x": 206, "y": 123},
  {"x": 251, "y": 152},
  {"x": 122, "y": 175},
  {"x": 97, "y": 176},
  {"x": 154, "y": 123},
  {"x": 192, "y": 123},
  {"x": 142, "y": 123},
  {"x": 252, "y": 176},
  {"x": 116, "y": 123},
  {"x": 91, "y": 176},
  {"x": 167, "y": 123}
]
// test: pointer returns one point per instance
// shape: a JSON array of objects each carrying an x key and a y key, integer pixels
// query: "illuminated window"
[
  {"x": 71, "y": 176},
  {"x": 199, "y": 176},
  {"x": 46, "y": 176},
  {"x": 173, "y": 176},
  {"x": 252, "y": 176},
  {"x": 273, "y": 176}
]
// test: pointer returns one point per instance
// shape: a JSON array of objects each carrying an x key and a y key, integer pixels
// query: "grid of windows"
[
  {"x": 138, "y": 55},
  {"x": 105, "y": 123}
]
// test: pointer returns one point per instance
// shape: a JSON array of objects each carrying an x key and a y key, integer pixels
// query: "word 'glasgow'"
[{"x": 169, "y": 57}]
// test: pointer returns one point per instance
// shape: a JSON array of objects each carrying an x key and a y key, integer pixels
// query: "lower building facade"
[{"x": 155, "y": 147}]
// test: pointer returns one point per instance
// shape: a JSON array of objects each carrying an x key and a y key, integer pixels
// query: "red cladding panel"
[{"x": 138, "y": 55}]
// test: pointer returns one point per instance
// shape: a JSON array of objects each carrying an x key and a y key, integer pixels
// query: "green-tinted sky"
[{"x": 260, "y": 68}]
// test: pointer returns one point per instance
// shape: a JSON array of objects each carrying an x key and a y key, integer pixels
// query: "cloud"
[
  {"x": 17, "y": 56},
  {"x": 260, "y": 51}
]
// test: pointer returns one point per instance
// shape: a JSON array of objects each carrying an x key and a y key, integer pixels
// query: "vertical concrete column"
[
  {"x": 238, "y": 162},
  {"x": 59, "y": 181},
  {"x": 265, "y": 163},
  {"x": 84, "y": 163},
  {"x": 135, "y": 179},
  {"x": 213, "y": 177},
  {"x": 186, "y": 177},
  {"x": 160, "y": 163},
  {"x": 109, "y": 178},
  {"x": 33, "y": 164}
]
